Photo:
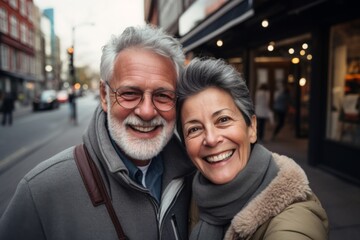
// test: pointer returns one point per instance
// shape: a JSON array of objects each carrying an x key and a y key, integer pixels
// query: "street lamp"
[
  {"x": 72, "y": 49},
  {"x": 72, "y": 72}
]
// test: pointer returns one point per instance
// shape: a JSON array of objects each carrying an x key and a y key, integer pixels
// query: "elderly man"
[{"x": 130, "y": 139}]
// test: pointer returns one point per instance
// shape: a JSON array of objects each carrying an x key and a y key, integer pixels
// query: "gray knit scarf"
[{"x": 218, "y": 204}]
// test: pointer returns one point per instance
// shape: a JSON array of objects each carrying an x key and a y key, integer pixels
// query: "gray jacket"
[{"x": 51, "y": 201}]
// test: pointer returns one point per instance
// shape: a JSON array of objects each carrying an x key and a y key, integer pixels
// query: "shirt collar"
[
  {"x": 156, "y": 167},
  {"x": 127, "y": 162}
]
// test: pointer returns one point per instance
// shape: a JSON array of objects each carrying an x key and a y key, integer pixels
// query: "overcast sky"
[{"x": 109, "y": 17}]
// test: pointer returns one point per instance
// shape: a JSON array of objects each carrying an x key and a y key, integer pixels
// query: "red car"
[{"x": 62, "y": 96}]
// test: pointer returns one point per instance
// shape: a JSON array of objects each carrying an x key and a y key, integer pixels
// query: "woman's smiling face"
[{"x": 216, "y": 136}]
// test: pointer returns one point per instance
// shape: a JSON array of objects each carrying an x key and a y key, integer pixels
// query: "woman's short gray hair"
[
  {"x": 208, "y": 72},
  {"x": 147, "y": 37}
]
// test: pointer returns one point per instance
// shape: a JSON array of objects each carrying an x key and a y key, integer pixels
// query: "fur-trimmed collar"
[{"x": 289, "y": 186}]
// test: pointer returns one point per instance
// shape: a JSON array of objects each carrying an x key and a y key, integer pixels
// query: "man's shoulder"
[
  {"x": 176, "y": 158},
  {"x": 59, "y": 163},
  {"x": 175, "y": 147}
]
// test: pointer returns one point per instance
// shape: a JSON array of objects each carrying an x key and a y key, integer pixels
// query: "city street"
[{"x": 36, "y": 136}]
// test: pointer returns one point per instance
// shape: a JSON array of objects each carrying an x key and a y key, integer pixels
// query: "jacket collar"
[
  {"x": 289, "y": 186},
  {"x": 97, "y": 139}
]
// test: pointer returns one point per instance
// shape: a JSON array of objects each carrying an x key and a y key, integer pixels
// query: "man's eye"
[
  {"x": 129, "y": 95},
  {"x": 165, "y": 96}
]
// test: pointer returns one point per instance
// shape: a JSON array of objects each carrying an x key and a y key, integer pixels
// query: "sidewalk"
[
  {"x": 340, "y": 198},
  {"x": 21, "y": 110}
]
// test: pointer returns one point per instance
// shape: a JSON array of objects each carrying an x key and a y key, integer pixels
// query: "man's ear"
[
  {"x": 103, "y": 93},
  {"x": 253, "y": 129}
]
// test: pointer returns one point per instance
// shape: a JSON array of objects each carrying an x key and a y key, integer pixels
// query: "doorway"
[{"x": 286, "y": 65}]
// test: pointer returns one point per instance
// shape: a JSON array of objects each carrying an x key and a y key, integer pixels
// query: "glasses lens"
[
  {"x": 128, "y": 98},
  {"x": 164, "y": 100}
]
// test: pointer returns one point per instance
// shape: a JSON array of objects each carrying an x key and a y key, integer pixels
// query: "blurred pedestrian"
[
  {"x": 281, "y": 106},
  {"x": 7, "y": 108},
  {"x": 72, "y": 106},
  {"x": 262, "y": 109}
]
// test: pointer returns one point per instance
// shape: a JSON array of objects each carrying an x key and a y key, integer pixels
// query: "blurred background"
[{"x": 50, "y": 50}]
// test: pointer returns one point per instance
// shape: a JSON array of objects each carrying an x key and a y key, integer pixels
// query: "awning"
[
  {"x": 233, "y": 13},
  {"x": 18, "y": 76}
]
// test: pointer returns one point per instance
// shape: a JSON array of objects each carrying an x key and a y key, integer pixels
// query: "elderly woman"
[{"x": 242, "y": 190}]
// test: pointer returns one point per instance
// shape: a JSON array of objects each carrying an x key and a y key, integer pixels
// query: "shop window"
[{"x": 344, "y": 102}]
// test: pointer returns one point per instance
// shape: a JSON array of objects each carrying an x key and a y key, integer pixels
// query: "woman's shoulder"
[{"x": 305, "y": 218}]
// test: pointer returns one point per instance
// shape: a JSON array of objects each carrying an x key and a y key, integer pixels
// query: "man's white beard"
[{"x": 136, "y": 148}]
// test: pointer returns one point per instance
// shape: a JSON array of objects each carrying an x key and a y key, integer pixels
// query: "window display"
[{"x": 344, "y": 103}]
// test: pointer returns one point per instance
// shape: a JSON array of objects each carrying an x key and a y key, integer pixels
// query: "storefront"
[
  {"x": 310, "y": 47},
  {"x": 342, "y": 134}
]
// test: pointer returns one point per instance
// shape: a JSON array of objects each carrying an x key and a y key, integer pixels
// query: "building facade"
[
  {"x": 310, "y": 47},
  {"x": 52, "y": 51},
  {"x": 17, "y": 65}
]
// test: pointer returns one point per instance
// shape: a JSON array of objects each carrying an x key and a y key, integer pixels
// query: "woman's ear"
[
  {"x": 253, "y": 130},
  {"x": 103, "y": 97}
]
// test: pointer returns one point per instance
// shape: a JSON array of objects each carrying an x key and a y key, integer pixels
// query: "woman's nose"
[{"x": 212, "y": 137}]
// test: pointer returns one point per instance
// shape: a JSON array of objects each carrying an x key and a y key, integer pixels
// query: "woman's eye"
[
  {"x": 193, "y": 130},
  {"x": 224, "y": 119}
]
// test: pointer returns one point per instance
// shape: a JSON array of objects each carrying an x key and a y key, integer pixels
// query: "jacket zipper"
[{"x": 179, "y": 185}]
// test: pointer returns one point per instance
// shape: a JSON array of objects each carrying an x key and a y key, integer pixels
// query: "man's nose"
[{"x": 146, "y": 109}]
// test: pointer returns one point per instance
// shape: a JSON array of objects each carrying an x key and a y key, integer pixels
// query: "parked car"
[
  {"x": 62, "y": 96},
  {"x": 46, "y": 100}
]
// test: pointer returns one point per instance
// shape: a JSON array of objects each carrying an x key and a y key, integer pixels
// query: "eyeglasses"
[{"x": 129, "y": 98}]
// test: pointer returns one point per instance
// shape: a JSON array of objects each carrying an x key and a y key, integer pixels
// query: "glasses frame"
[{"x": 115, "y": 92}]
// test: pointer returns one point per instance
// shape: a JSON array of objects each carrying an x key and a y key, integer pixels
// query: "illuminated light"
[
  {"x": 302, "y": 82},
  {"x": 295, "y": 60},
  {"x": 265, "y": 23},
  {"x": 77, "y": 86},
  {"x": 235, "y": 60},
  {"x": 48, "y": 68},
  {"x": 302, "y": 52},
  {"x": 70, "y": 50},
  {"x": 291, "y": 50},
  {"x": 219, "y": 43},
  {"x": 291, "y": 78},
  {"x": 305, "y": 46},
  {"x": 309, "y": 57},
  {"x": 270, "y": 47},
  {"x": 29, "y": 85}
]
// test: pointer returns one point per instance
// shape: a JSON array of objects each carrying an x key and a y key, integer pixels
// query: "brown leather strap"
[{"x": 95, "y": 186}]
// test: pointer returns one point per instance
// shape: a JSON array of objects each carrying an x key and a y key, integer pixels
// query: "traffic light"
[{"x": 70, "y": 52}]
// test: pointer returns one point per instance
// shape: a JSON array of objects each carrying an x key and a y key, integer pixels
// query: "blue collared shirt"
[{"x": 153, "y": 178}]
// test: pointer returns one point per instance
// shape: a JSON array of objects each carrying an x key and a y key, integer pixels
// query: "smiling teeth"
[
  {"x": 144, "y": 129},
  {"x": 219, "y": 157}
]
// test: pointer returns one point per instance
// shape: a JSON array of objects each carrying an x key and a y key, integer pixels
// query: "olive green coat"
[{"x": 286, "y": 209}]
